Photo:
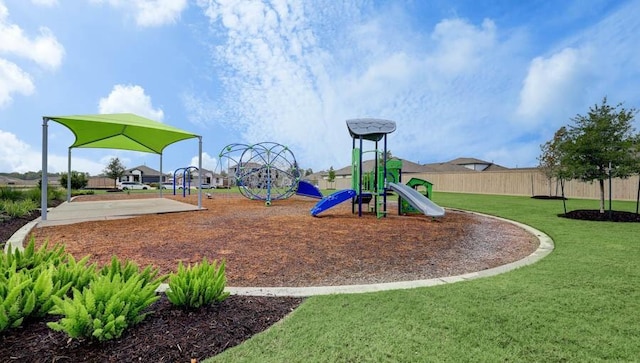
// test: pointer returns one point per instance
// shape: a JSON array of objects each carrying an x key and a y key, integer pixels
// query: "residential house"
[{"x": 143, "y": 174}]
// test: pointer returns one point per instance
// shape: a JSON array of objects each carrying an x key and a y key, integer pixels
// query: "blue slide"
[
  {"x": 308, "y": 190},
  {"x": 332, "y": 200}
]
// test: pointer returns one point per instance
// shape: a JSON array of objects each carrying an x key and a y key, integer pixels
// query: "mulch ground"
[{"x": 280, "y": 245}]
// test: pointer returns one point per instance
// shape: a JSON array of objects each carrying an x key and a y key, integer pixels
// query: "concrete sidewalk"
[{"x": 74, "y": 212}]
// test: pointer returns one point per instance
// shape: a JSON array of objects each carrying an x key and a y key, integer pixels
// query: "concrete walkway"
[
  {"x": 68, "y": 213},
  {"x": 74, "y": 212}
]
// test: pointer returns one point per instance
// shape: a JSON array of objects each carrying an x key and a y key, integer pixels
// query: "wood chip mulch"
[{"x": 279, "y": 245}]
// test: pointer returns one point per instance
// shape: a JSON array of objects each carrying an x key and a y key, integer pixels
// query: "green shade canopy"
[{"x": 124, "y": 131}]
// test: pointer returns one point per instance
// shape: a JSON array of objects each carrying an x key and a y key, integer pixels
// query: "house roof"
[
  {"x": 144, "y": 169},
  {"x": 455, "y": 165},
  {"x": 443, "y": 167}
]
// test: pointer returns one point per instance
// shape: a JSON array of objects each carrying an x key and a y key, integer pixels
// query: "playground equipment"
[
  {"x": 264, "y": 171},
  {"x": 308, "y": 190},
  {"x": 423, "y": 187},
  {"x": 186, "y": 179},
  {"x": 386, "y": 175}
]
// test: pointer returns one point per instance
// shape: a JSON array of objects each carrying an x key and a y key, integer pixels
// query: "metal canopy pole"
[
  {"x": 360, "y": 180},
  {"x": 160, "y": 178},
  {"x": 384, "y": 185},
  {"x": 69, "y": 176},
  {"x": 43, "y": 186},
  {"x": 200, "y": 172},
  {"x": 353, "y": 200}
]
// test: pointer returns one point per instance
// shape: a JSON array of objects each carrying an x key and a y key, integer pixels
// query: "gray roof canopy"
[{"x": 372, "y": 129}]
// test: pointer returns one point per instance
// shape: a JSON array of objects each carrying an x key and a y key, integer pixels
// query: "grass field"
[{"x": 579, "y": 304}]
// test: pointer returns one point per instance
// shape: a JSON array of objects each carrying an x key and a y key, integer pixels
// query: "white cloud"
[
  {"x": 208, "y": 162},
  {"x": 551, "y": 82},
  {"x": 18, "y": 156},
  {"x": 150, "y": 13},
  {"x": 200, "y": 109},
  {"x": 130, "y": 99},
  {"x": 13, "y": 80},
  {"x": 460, "y": 45},
  {"x": 44, "y": 49},
  {"x": 283, "y": 85},
  {"x": 15, "y": 154}
]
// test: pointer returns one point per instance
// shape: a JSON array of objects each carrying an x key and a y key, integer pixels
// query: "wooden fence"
[{"x": 527, "y": 182}]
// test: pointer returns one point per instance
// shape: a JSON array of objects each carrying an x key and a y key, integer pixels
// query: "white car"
[{"x": 126, "y": 185}]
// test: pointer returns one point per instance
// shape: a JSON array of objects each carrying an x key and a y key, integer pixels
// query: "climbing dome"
[{"x": 264, "y": 171}]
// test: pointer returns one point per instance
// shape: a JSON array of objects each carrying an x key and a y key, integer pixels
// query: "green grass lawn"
[{"x": 579, "y": 304}]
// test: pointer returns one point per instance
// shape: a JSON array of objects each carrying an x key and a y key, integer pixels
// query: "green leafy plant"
[
  {"x": 115, "y": 300},
  {"x": 202, "y": 284},
  {"x": 30, "y": 278},
  {"x": 25, "y": 294},
  {"x": 11, "y": 194},
  {"x": 14, "y": 304},
  {"x": 129, "y": 269},
  {"x": 76, "y": 273},
  {"x": 17, "y": 208},
  {"x": 31, "y": 258}
]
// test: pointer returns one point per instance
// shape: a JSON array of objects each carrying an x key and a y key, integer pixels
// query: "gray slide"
[{"x": 417, "y": 200}]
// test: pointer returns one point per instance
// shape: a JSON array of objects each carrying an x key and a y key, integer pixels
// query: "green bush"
[
  {"x": 79, "y": 180},
  {"x": 31, "y": 258},
  {"x": 32, "y": 194},
  {"x": 30, "y": 278},
  {"x": 115, "y": 300},
  {"x": 11, "y": 194},
  {"x": 78, "y": 274},
  {"x": 202, "y": 284},
  {"x": 26, "y": 294},
  {"x": 130, "y": 269},
  {"x": 14, "y": 304},
  {"x": 75, "y": 193},
  {"x": 17, "y": 208}
]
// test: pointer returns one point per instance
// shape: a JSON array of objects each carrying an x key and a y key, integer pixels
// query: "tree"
[
  {"x": 550, "y": 159},
  {"x": 78, "y": 180},
  {"x": 332, "y": 175},
  {"x": 114, "y": 170},
  {"x": 308, "y": 172},
  {"x": 601, "y": 145}
]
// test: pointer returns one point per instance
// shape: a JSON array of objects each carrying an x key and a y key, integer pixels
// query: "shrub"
[
  {"x": 75, "y": 193},
  {"x": 193, "y": 287},
  {"x": 11, "y": 194},
  {"x": 14, "y": 304},
  {"x": 17, "y": 208},
  {"x": 30, "y": 258},
  {"x": 24, "y": 294},
  {"x": 130, "y": 269},
  {"x": 29, "y": 279},
  {"x": 115, "y": 300}
]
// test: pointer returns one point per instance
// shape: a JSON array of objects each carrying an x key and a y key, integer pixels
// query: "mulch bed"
[
  {"x": 281, "y": 245},
  {"x": 168, "y": 335},
  {"x": 607, "y": 216}
]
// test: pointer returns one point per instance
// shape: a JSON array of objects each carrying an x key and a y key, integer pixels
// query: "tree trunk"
[{"x": 601, "y": 182}]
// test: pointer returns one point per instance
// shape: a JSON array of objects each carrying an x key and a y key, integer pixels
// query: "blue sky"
[{"x": 486, "y": 79}]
